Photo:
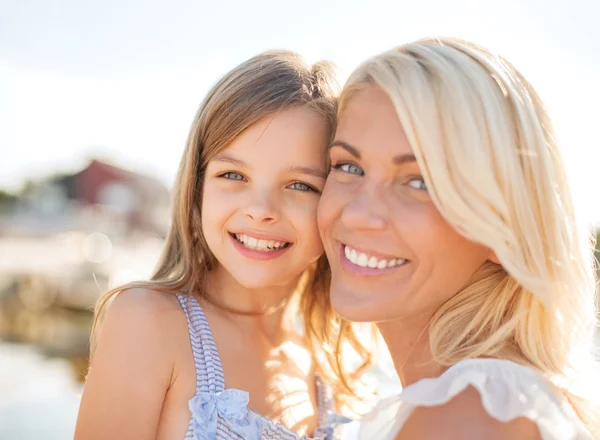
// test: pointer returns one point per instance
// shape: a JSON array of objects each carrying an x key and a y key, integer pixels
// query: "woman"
[{"x": 448, "y": 221}]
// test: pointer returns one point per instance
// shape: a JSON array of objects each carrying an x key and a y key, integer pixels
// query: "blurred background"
[{"x": 96, "y": 99}]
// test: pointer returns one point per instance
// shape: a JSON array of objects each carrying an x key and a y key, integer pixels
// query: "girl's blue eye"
[
  {"x": 232, "y": 176},
  {"x": 418, "y": 184},
  {"x": 299, "y": 186},
  {"x": 349, "y": 168}
]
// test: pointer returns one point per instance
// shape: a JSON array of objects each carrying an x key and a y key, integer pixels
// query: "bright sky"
[{"x": 122, "y": 78}]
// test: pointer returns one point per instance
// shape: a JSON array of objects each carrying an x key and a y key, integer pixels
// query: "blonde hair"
[
  {"x": 486, "y": 147},
  {"x": 263, "y": 85}
]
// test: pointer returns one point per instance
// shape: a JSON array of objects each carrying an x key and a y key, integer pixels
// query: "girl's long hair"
[{"x": 263, "y": 85}]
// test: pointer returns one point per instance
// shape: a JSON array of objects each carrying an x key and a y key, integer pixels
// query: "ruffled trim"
[
  {"x": 231, "y": 406},
  {"x": 507, "y": 391}
]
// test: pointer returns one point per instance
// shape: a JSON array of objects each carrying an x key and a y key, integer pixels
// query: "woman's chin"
[{"x": 354, "y": 308}]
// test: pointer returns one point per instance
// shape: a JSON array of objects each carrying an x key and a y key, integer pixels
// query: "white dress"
[{"x": 507, "y": 391}]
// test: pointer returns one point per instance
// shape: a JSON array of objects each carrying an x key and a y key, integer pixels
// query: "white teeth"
[
  {"x": 373, "y": 262},
  {"x": 259, "y": 244},
  {"x": 364, "y": 260}
]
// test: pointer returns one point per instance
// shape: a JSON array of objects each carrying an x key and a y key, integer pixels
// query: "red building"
[{"x": 142, "y": 201}]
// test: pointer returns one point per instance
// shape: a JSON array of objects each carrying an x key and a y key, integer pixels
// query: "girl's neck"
[{"x": 269, "y": 309}]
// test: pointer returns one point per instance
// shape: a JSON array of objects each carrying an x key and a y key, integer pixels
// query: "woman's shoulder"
[
  {"x": 477, "y": 397},
  {"x": 447, "y": 420}
]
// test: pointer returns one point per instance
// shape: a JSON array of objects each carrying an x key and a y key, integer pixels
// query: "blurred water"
[{"x": 39, "y": 397}]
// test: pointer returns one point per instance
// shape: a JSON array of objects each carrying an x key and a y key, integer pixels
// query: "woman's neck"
[{"x": 408, "y": 343}]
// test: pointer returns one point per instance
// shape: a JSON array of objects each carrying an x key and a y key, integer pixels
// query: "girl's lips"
[
  {"x": 260, "y": 235},
  {"x": 256, "y": 254}
]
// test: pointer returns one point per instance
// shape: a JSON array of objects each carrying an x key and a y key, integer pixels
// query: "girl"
[
  {"x": 219, "y": 315},
  {"x": 447, "y": 219}
]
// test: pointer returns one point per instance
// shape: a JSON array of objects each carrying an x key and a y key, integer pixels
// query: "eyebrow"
[
  {"x": 350, "y": 149},
  {"x": 396, "y": 160},
  {"x": 308, "y": 171},
  {"x": 229, "y": 159},
  {"x": 403, "y": 158},
  {"x": 292, "y": 169}
]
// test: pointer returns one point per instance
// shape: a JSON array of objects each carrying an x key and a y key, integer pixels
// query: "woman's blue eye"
[
  {"x": 299, "y": 186},
  {"x": 418, "y": 184},
  {"x": 349, "y": 168},
  {"x": 232, "y": 176}
]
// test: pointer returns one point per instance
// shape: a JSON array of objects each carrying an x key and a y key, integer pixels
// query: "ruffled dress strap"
[
  {"x": 508, "y": 391},
  {"x": 209, "y": 371},
  {"x": 223, "y": 414}
]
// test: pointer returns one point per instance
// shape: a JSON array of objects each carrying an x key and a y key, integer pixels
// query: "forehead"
[
  {"x": 286, "y": 135},
  {"x": 370, "y": 124}
]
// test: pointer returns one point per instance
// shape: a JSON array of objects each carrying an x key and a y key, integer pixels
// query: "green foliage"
[{"x": 7, "y": 200}]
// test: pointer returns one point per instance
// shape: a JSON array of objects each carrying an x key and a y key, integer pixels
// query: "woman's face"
[{"x": 392, "y": 255}]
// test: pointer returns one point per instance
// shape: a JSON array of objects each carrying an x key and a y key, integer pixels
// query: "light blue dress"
[{"x": 223, "y": 414}]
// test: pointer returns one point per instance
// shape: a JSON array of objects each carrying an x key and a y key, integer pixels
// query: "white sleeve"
[{"x": 507, "y": 391}]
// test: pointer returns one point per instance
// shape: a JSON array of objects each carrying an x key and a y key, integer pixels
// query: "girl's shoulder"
[
  {"x": 132, "y": 365},
  {"x": 143, "y": 313},
  {"x": 480, "y": 397},
  {"x": 141, "y": 323},
  {"x": 146, "y": 298}
]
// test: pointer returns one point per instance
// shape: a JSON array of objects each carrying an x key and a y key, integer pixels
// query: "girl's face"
[
  {"x": 259, "y": 209},
  {"x": 392, "y": 255}
]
